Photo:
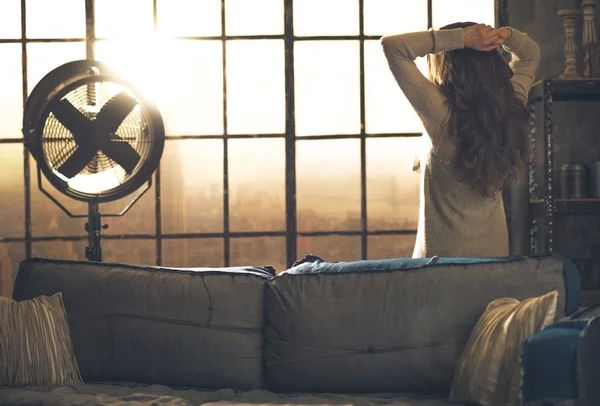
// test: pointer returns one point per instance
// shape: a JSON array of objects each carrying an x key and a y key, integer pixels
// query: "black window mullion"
[
  {"x": 290, "y": 136},
  {"x": 157, "y": 176},
  {"x": 26, "y": 164},
  {"x": 226, "y": 239},
  {"x": 429, "y": 14},
  {"x": 363, "y": 136}
]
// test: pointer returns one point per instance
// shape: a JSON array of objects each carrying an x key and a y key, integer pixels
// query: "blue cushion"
[
  {"x": 313, "y": 264},
  {"x": 549, "y": 362}
]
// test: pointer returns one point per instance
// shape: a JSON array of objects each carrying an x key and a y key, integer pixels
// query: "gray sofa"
[{"x": 363, "y": 333}]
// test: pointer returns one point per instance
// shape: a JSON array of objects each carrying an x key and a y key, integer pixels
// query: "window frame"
[{"x": 290, "y": 234}]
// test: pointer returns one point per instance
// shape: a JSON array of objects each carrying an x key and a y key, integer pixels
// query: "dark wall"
[{"x": 576, "y": 137}]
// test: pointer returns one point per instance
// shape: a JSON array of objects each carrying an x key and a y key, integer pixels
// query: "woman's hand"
[
  {"x": 481, "y": 37},
  {"x": 504, "y": 33}
]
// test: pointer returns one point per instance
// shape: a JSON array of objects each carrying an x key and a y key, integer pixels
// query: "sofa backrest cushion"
[
  {"x": 181, "y": 327},
  {"x": 390, "y": 326}
]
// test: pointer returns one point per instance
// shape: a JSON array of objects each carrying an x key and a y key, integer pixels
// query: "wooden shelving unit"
[
  {"x": 569, "y": 206},
  {"x": 546, "y": 92}
]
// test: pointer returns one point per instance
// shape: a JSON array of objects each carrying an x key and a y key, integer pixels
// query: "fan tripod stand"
[
  {"x": 93, "y": 252},
  {"x": 94, "y": 226}
]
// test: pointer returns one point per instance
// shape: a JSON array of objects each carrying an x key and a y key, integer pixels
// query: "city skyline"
[{"x": 196, "y": 207}]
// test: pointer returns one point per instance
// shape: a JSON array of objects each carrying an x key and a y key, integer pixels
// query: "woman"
[{"x": 473, "y": 109}]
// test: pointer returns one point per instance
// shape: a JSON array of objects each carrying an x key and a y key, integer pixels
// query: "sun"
[{"x": 147, "y": 63}]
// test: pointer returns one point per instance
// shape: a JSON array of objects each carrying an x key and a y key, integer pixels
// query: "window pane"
[
  {"x": 141, "y": 252},
  {"x": 47, "y": 219},
  {"x": 255, "y": 87},
  {"x": 394, "y": 16},
  {"x": 140, "y": 219},
  {"x": 253, "y": 17},
  {"x": 327, "y": 87},
  {"x": 331, "y": 247},
  {"x": 257, "y": 185},
  {"x": 11, "y": 255},
  {"x": 387, "y": 109},
  {"x": 191, "y": 88},
  {"x": 390, "y": 246},
  {"x": 478, "y": 11},
  {"x": 55, "y": 19},
  {"x": 259, "y": 251},
  {"x": 10, "y": 19},
  {"x": 189, "y": 17},
  {"x": 328, "y": 185},
  {"x": 12, "y": 204},
  {"x": 193, "y": 253},
  {"x": 326, "y": 17},
  {"x": 45, "y": 57},
  {"x": 184, "y": 78},
  {"x": 11, "y": 102},
  {"x": 392, "y": 187},
  {"x": 122, "y": 19},
  {"x": 68, "y": 250},
  {"x": 192, "y": 186}
]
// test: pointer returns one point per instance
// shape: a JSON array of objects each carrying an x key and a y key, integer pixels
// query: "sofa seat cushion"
[
  {"x": 187, "y": 327},
  {"x": 142, "y": 395},
  {"x": 389, "y": 326}
]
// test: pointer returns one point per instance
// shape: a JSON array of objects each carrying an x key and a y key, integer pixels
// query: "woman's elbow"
[
  {"x": 385, "y": 42},
  {"x": 390, "y": 46}
]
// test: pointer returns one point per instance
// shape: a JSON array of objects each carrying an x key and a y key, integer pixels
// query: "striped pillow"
[
  {"x": 488, "y": 372},
  {"x": 35, "y": 343}
]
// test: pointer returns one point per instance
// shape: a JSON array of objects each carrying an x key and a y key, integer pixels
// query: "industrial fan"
[{"x": 94, "y": 137}]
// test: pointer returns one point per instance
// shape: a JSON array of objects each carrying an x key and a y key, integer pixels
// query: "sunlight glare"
[
  {"x": 55, "y": 19},
  {"x": 189, "y": 17},
  {"x": 327, "y": 87},
  {"x": 145, "y": 63},
  {"x": 182, "y": 77},
  {"x": 447, "y": 12},
  {"x": 255, "y": 87},
  {"x": 384, "y": 17},
  {"x": 123, "y": 18},
  {"x": 10, "y": 19},
  {"x": 387, "y": 108},
  {"x": 42, "y": 58},
  {"x": 326, "y": 17},
  {"x": 254, "y": 17}
]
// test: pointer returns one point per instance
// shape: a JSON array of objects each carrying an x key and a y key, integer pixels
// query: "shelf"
[
  {"x": 570, "y": 206},
  {"x": 562, "y": 89}
]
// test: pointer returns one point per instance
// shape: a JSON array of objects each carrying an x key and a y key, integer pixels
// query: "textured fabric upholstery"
[
  {"x": 200, "y": 328},
  {"x": 35, "y": 344},
  {"x": 397, "y": 325}
]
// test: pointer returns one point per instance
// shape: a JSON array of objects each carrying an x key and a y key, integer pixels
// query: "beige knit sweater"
[{"x": 454, "y": 220}]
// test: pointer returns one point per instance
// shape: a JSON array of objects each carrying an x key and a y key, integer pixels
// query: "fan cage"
[{"x": 102, "y": 179}]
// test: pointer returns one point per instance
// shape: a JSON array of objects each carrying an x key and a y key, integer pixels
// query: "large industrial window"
[{"x": 287, "y": 135}]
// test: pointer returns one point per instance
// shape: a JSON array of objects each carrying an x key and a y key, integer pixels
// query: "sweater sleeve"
[
  {"x": 401, "y": 51},
  {"x": 525, "y": 60}
]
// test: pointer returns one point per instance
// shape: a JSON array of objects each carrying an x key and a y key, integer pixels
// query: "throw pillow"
[
  {"x": 488, "y": 372},
  {"x": 35, "y": 343}
]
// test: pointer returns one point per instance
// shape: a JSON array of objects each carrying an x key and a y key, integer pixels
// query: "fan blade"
[
  {"x": 77, "y": 161},
  {"x": 122, "y": 153},
  {"x": 77, "y": 123},
  {"x": 114, "y": 112}
]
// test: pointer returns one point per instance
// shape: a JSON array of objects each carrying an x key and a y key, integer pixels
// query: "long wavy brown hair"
[{"x": 488, "y": 120}]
